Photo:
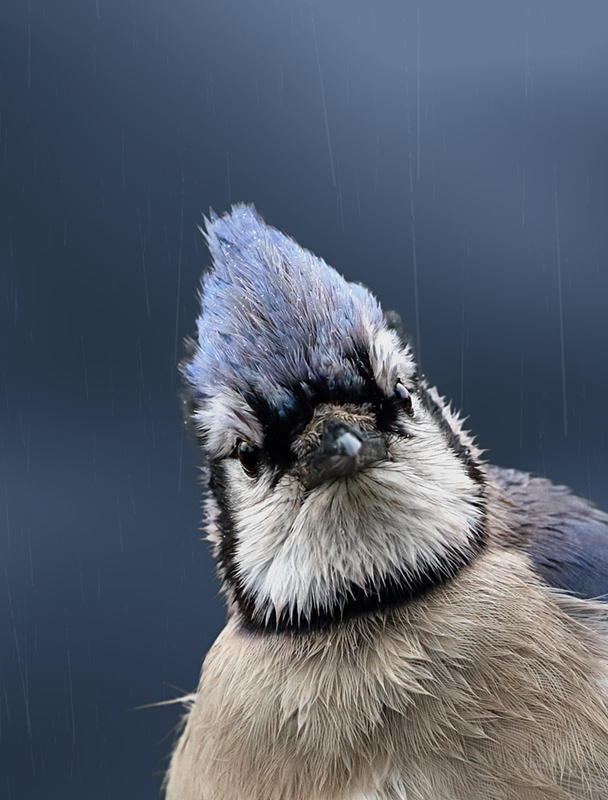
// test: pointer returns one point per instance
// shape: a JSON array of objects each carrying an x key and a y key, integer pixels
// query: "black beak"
[{"x": 342, "y": 451}]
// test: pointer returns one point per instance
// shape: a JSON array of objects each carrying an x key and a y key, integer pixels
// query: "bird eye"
[
  {"x": 249, "y": 456},
  {"x": 404, "y": 394}
]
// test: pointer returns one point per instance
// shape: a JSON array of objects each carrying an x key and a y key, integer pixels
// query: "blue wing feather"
[{"x": 565, "y": 536}]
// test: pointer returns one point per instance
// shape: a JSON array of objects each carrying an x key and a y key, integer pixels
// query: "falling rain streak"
[
  {"x": 320, "y": 71},
  {"x": 561, "y": 307},
  {"x": 415, "y": 270}
]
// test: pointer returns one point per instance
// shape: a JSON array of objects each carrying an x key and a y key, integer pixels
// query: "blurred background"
[{"x": 452, "y": 156}]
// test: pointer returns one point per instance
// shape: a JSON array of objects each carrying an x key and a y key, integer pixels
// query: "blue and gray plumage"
[
  {"x": 262, "y": 298},
  {"x": 404, "y": 620},
  {"x": 565, "y": 536}
]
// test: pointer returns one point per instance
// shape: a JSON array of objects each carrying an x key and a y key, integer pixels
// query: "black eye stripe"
[{"x": 280, "y": 428}]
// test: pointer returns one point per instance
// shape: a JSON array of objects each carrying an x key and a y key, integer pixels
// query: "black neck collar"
[{"x": 399, "y": 589}]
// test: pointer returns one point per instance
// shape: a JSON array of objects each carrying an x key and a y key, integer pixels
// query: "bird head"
[{"x": 339, "y": 481}]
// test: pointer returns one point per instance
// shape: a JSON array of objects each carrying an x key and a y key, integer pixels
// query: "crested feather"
[{"x": 273, "y": 314}]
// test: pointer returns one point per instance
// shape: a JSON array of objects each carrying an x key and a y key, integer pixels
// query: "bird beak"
[{"x": 342, "y": 451}]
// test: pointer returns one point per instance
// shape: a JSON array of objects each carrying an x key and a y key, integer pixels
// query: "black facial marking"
[
  {"x": 459, "y": 449},
  {"x": 227, "y": 548},
  {"x": 282, "y": 425}
]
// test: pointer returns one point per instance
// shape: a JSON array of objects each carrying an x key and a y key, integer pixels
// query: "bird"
[{"x": 405, "y": 621}]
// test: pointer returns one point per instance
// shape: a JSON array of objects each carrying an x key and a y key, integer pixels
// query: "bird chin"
[{"x": 358, "y": 543}]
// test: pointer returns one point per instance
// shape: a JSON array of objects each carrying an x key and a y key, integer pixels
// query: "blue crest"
[{"x": 274, "y": 316}]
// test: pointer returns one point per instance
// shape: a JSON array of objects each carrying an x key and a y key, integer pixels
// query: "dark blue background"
[{"x": 480, "y": 127}]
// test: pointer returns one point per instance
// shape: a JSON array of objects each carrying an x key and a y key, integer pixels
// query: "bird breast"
[{"x": 446, "y": 698}]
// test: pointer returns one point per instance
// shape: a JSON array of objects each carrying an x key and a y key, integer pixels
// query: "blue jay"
[{"x": 404, "y": 620}]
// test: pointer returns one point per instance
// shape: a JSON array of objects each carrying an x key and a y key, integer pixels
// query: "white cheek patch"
[
  {"x": 296, "y": 553},
  {"x": 264, "y": 516},
  {"x": 223, "y": 420},
  {"x": 390, "y": 361}
]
